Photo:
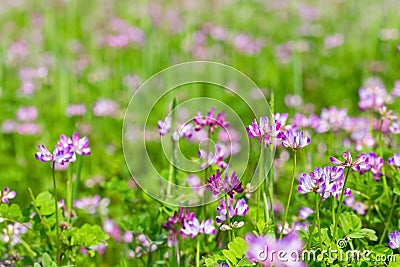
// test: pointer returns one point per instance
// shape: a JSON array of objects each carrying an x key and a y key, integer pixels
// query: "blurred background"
[{"x": 69, "y": 65}]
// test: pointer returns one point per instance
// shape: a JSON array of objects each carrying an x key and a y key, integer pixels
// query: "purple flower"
[
  {"x": 221, "y": 210},
  {"x": 178, "y": 218},
  {"x": 128, "y": 237},
  {"x": 263, "y": 132},
  {"x": 210, "y": 121},
  {"x": 93, "y": 204},
  {"x": 331, "y": 119},
  {"x": 60, "y": 155},
  {"x": 214, "y": 183},
  {"x": 216, "y": 159},
  {"x": 372, "y": 163},
  {"x": 326, "y": 182},
  {"x": 80, "y": 145},
  {"x": 112, "y": 229},
  {"x": 27, "y": 114},
  {"x": 230, "y": 184},
  {"x": 294, "y": 139},
  {"x": 196, "y": 184},
  {"x": 260, "y": 249},
  {"x": 105, "y": 107},
  {"x": 395, "y": 161},
  {"x": 193, "y": 227},
  {"x": 357, "y": 206},
  {"x": 348, "y": 163},
  {"x": 185, "y": 131},
  {"x": 164, "y": 127},
  {"x": 75, "y": 110},
  {"x": 394, "y": 242},
  {"x": 240, "y": 209},
  {"x": 373, "y": 95},
  {"x": 304, "y": 212},
  {"x": 6, "y": 194}
]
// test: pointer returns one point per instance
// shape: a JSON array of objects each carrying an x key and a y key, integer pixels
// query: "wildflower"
[
  {"x": 196, "y": 184},
  {"x": 210, "y": 121},
  {"x": 12, "y": 233},
  {"x": 240, "y": 209},
  {"x": 331, "y": 119},
  {"x": 193, "y": 227},
  {"x": 263, "y": 131},
  {"x": 357, "y": 206},
  {"x": 93, "y": 204},
  {"x": 394, "y": 242},
  {"x": 296, "y": 226},
  {"x": 304, "y": 212},
  {"x": 80, "y": 145},
  {"x": 75, "y": 110},
  {"x": 230, "y": 184},
  {"x": 164, "y": 127},
  {"x": 216, "y": 159},
  {"x": 372, "y": 163},
  {"x": 59, "y": 155},
  {"x": 185, "y": 131},
  {"x": 294, "y": 139},
  {"x": 259, "y": 249},
  {"x": 373, "y": 95},
  {"x": 27, "y": 114},
  {"x": 396, "y": 89},
  {"x": 395, "y": 161},
  {"x": 326, "y": 182},
  {"x": 128, "y": 237},
  {"x": 6, "y": 194},
  {"x": 348, "y": 163},
  {"x": 112, "y": 229},
  {"x": 105, "y": 107}
]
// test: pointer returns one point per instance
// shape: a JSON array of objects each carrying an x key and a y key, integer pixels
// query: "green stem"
[
  {"x": 290, "y": 194},
  {"x": 69, "y": 191},
  {"x": 228, "y": 216},
  {"x": 79, "y": 163},
  {"x": 385, "y": 185},
  {"x": 333, "y": 210},
  {"x": 312, "y": 230},
  {"x": 258, "y": 203},
  {"x": 57, "y": 220},
  {"x": 340, "y": 205},
  {"x": 317, "y": 207},
  {"x": 389, "y": 219},
  {"x": 172, "y": 167},
  {"x": 198, "y": 253}
]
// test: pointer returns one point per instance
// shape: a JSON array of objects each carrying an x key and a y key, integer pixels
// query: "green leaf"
[
  {"x": 45, "y": 202},
  {"x": 349, "y": 222},
  {"x": 365, "y": 232},
  {"x": 394, "y": 260},
  {"x": 14, "y": 212},
  {"x": 43, "y": 198},
  {"x": 230, "y": 256},
  {"x": 47, "y": 261}
]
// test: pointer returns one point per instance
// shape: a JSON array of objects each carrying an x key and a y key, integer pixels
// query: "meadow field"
[{"x": 199, "y": 133}]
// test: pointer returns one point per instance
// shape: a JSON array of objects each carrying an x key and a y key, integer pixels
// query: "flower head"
[
  {"x": 295, "y": 140},
  {"x": 240, "y": 209},
  {"x": 395, "y": 161},
  {"x": 348, "y": 163},
  {"x": 6, "y": 194},
  {"x": 372, "y": 163},
  {"x": 263, "y": 131},
  {"x": 394, "y": 242},
  {"x": 59, "y": 155},
  {"x": 210, "y": 120}
]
